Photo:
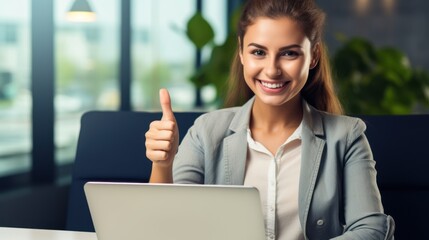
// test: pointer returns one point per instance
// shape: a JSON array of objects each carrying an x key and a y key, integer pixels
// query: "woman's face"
[{"x": 276, "y": 58}]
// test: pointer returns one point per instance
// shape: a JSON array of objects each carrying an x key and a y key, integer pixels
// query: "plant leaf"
[{"x": 199, "y": 30}]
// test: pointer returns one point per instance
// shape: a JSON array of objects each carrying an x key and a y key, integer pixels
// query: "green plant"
[
  {"x": 216, "y": 70},
  {"x": 374, "y": 80},
  {"x": 199, "y": 31}
]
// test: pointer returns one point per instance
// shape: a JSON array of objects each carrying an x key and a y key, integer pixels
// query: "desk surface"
[{"x": 39, "y": 234}]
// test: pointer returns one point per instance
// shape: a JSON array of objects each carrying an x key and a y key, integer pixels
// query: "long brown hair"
[{"x": 319, "y": 90}]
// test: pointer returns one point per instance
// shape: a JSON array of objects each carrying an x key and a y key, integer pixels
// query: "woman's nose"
[{"x": 272, "y": 69}]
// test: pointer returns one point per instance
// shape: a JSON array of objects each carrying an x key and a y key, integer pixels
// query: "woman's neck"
[{"x": 275, "y": 118}]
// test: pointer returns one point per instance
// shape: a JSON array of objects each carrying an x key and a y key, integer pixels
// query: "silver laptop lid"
[{"x": 174, "y": 212}]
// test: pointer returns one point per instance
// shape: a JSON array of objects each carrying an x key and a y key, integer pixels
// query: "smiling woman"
[{"x": 313, "y": 167}]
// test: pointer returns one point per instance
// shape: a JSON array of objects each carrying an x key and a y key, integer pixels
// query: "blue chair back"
[
  {"x": 400, "y": 145},
  {"x": 111, "y": 147}
]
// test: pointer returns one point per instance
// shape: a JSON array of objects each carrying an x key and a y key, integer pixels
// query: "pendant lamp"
[{"x": 81, "y": 11}]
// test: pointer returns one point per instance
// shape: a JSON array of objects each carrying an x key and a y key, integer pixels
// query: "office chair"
[
  {"x": 111, "y": 147},
  {"x": 400, "y": 146}
]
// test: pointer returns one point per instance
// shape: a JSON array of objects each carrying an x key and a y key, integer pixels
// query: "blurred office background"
[{"x": 52, "y": 70}]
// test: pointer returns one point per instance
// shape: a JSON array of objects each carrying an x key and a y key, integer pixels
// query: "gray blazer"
[{"x": 338, "y": 193}]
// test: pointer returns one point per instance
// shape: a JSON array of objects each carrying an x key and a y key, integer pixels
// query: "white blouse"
[{"x": 277, "y": 179}]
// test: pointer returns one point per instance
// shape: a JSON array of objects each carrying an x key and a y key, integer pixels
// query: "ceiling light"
[{"x": 81, "y": 11}]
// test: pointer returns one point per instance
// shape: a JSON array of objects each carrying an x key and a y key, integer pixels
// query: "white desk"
[{"x": 39, "y": 234}]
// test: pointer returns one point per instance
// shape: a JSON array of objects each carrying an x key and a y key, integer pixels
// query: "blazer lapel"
[
  {"x": 235, "y": 153},
  {"x": 235, "y": 146},
  {"x": 312, "y": 149}
]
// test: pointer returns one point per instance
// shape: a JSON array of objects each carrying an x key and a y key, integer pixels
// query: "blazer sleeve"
[
  {"x": 363, "y": 210},
  {"x": 188, "y": 165}
]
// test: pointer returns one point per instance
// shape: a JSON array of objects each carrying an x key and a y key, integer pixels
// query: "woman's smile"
[{"x": 273, "y": 87}]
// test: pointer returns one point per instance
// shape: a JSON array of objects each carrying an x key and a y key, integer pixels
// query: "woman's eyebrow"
[
  {"x": 290, "y": 46},
  {"x": 257, "y": 46},
  {"x": 281, "y": 49}
]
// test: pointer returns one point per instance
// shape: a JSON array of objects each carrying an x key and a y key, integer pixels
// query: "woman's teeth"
[{"x": 272, "y": 85}]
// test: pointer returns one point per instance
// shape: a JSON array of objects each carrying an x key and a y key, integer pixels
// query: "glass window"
[
  {"x": 8, "y": 33},
  {"x": 86, "y": 58},
  {"x": 162, "y": 54},
  {"x": 215, "y": 12},
  {"x": 15, "y": 93}
]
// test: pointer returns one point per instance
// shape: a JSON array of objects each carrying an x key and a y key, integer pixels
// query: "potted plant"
[{"x": 381, "y": 80}]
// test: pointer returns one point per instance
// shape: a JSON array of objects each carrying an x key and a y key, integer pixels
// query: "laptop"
[{"x": 141, "y": 211}]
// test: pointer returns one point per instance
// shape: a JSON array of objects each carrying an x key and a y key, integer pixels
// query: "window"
[
  {"x": 15, "y": 95},
  {"x": 8, "y": 33},
  {"x": 87, "y": 60},
  {"x": 87, "y": 67},
  {"x": 162, "y": 54},
  {"x": 216, "y": 14}
]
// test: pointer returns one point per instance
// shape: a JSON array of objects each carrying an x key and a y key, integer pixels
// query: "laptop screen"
[{"x": 174, "y": 212}]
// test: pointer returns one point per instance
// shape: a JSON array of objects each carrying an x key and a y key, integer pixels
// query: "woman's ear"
[{"x": 315, "y": 56}]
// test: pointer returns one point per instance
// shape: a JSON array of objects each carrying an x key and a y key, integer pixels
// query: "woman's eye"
[
  {"x": 290, "y": 54},
  {"x": 258, "y": 52}
]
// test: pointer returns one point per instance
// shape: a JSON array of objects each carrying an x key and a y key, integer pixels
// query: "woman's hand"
[{"x": 162, "y": 141}]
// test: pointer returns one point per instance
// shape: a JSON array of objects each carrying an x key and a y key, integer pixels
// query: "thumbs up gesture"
[{"x": 162, "y": 138}]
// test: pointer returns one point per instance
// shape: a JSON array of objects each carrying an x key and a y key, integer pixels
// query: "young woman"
[{"x": 313, "y": 167}]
